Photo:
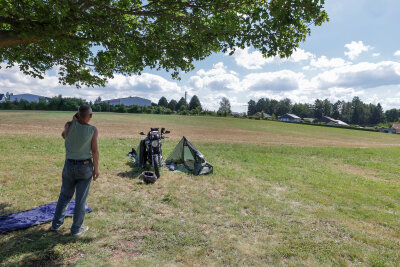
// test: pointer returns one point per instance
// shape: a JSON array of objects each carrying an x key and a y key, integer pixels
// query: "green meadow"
[{"x": 281, "y": 194}]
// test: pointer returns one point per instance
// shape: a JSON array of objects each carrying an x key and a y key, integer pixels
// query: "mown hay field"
[{"x": 282, "y": 194}]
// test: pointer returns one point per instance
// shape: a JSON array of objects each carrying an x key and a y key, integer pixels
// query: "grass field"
[{"x": 282, "y": 194}]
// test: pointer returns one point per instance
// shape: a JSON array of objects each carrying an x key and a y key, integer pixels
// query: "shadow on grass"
[
  {"x": 5, "y": 208},
  {"x": 35, "y": 247},
  {"x": 133, "y": 173}
]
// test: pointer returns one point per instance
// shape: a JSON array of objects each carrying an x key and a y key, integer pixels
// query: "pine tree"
[
  {"x": 318, "y": 109},
  {"x": 163, "y": 102},
  {"x": 336, "y": 109},
  {"x": 194, "y": 103},
  {"x": 357, "y": 108},
  {"x": 172, "y": 104},
  {"x": 392, "y": 115},
  {"x": 376, "y": 116},
  {"x": 284, "y": 106},
  {"x": 327, "y": 107},
  {"x": 251, "y": 108},
  {"x": 182, "y": 104}
]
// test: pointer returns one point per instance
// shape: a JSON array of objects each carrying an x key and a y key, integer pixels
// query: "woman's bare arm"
[{"x": 64, "y": 134}]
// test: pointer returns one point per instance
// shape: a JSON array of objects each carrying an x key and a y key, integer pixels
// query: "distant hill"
[{"x": 128, "y": 101}]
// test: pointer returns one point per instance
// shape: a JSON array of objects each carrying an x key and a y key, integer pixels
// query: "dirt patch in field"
[
  {"x": 370, "y": 229},
  {"x": 120, "y": 254},
  {"x": 126, "y": 249},
  {"x": 358, "y": 171},
  {"x": 115, "y": 125}
]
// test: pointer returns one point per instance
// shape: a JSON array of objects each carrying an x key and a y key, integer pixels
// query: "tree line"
[
  {"x": 61, "y": 103},
  {"x": 163, "y": 106},
  {"x": 182, "y": 105},
  {"x": 354, "y": 112},
  {"x": 53, "y": 103},
  {"x": 194, "y": 106}
]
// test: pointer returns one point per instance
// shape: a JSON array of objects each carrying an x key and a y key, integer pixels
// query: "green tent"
[{"x": 186, "y": 157}]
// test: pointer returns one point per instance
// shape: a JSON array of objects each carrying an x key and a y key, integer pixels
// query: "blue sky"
[{"x": 357, "y": 53}]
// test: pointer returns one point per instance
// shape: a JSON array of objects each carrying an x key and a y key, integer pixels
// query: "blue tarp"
[{"x": 28, "y": 218}]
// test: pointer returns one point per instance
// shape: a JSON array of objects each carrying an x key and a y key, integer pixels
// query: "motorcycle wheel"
[{"x": 156, "y": 165}]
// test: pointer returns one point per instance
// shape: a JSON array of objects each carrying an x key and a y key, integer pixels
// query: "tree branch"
[{"x": 10, "y": 38}]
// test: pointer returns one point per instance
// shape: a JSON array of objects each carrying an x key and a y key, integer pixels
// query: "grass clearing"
[
  {"x": 333, "y": 200},
  {"x": 220, "y": 130}
]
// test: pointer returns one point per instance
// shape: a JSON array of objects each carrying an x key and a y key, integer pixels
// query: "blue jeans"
[{"x": 74, "y": 176}]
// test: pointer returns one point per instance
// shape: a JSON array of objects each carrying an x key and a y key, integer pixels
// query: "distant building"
[
  {"x": 396, "y": 127},
  {"x": 309, "y": 119},
  {"x": 266, "y": 116},
  {"x": 387, "y": 130},
  {"x": 27, "y": 97},
  {"x": 128, "y": 101},
  {"x": 2, "y": 98},
  {"x": 290, "y": 118},
  {"x": 331, "y": 121}
]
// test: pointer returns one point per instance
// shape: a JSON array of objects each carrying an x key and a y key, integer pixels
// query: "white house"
[
  {"x": 387, "y": 130},
  {"x": 27, "y": 97},
  {"x": 266, "y": 115},
  {"x": 128, "y": 101},
  {"x": 331, "y": 121},
  {"x": 309, "y": 119},
  {"x": 290, "y": 118}
]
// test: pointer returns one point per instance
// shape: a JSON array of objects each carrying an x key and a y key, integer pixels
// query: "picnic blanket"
[{"x": 28, "y": 218}]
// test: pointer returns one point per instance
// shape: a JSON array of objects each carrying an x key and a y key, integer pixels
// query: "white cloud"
[
  {"x": 340, "y": 93},
  {"x": 146, "y": 85},
  {"x": 355, "y": 49},
  {"x": 251, "y": 61},
  {"x": 13, "y": 80},
  {"x": 215, "y": 79},
  {"x": 143, "y": 83},
  {"x": 376, "y": 54},
  {"x": 255, "y": 60},
  {"x": 284, "y": 80},
  {"x": 300, "y": 55},
  {"x": 397, "y": 53},
  {"x": 391, "y": 101},
  {"x": 340, "y": 81},
  {"x": 325, "y": 63},
  {"x": 363, "y": 75},
  {"x": 337, "y": 79}
]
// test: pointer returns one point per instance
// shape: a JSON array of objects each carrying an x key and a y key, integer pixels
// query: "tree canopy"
[
  {"x": 182, "y": 104},
  {"x": 194, "y": 103},
  {"x": 91, "y": 40},
  {"x": 172, "y": 104},
  {"x": 163, "y": 102}
]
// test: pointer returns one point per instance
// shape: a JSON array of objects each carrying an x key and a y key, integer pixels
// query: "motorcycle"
[{"x": 150, "y": 149}]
